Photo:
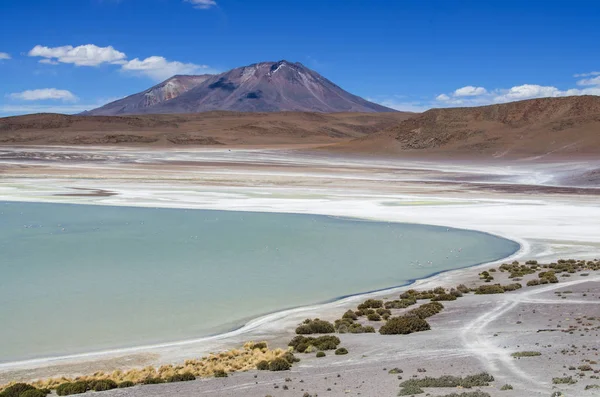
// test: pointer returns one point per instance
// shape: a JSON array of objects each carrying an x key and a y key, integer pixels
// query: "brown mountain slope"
[
  {"x": 210, "y": 128},
  {"x": 567, "y": 126}
]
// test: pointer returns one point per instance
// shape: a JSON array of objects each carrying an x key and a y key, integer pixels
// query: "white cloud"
[
  {"x": 442, "y": 98},
  {"x": 527, "y": 91},
  {"x": 592, "y": 81},
  {"x": 587, "y": 74},
  {"x": 83, "y": 55},
  {"x": 158, "y": 68},
  {"x": 469, "y": 91},
  {"x": 44, "y": 94},
  {"x": 202, "y": 4},
  {"x": 13, "y": 110},
  {"x": 4, "y": 56}
]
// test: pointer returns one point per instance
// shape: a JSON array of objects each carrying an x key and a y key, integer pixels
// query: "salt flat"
[{"x": 551, "y": 209}]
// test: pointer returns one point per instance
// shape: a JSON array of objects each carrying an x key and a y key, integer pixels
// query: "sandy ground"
[{"x": 550, "y": 208}]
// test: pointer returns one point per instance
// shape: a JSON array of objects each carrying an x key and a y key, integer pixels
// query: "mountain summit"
[{"x": 261, "y": 87}]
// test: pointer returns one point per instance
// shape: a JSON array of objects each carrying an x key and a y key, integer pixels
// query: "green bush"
[
  {"x": 351, "y": 315},
  {"x": 219, "y": 373},
  {"x": 463, "y": 288},
  {"x": 315, "y": 326},
  {"x": 125, "y": 384},
  {"x": 482, "y": 379},
  {"x": 320, "y": 354},
  {"x": 426, "y": 310},
  {"x": 371, "y": 304},
  {"x": 152, "y": 381},
  {"x": 512, "y": 287},
  {"x": 410, "y": 390},
  {"x": 279, "y": 364},
  {"x": 290, "y": 358},
  {"x": 568, "y": 380},
  {"x": 184, "y": 377},
  {"x": 327, "y": 342},
  {"x": 506, "y": 387},
  {"x": 262, "y": 365},
  {"x": 260, "y": 345},
  {"x": 525, "y": 354},
  {"x": 489, "y": 289},
  {"x": 477, "y": 393},
  {"x": 443, "y": 297},
  {"x": 16, "y": 390},
  {"x": 67, "y": 389},
  {"x": 102, "y": 385},
  {"x": 33, "y": 393},
  {"x": 533, "y": 282},
  {"x": 374, "y": 317},
  {"x": 341, "y": 351},
  {"x": 400, "y": 304},
  {"x": 404, "y": 325}
]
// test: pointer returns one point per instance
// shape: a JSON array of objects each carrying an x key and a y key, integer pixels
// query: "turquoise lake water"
[{"x": 77, "y": 278}]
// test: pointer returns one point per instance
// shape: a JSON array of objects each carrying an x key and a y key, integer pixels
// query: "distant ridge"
[
  {"x": 260, "y": 87},
  {"x": 545, "y": 126}
]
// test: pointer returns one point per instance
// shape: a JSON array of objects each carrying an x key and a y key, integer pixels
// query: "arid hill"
[
  {"x": 210, "y": 128},
  {"x": 567, "y": 126}
]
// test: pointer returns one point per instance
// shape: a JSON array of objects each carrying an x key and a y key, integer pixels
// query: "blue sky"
[{"x": 71, "y": 55}]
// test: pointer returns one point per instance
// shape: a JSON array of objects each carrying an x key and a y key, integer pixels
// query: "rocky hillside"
[{"x": 566, "y": 125}]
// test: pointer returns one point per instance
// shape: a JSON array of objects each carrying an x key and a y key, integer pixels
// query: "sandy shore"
[{"x": 515, "y": 200}]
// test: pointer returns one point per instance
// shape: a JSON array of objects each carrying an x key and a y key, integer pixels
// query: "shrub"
[
  {"x": 320, "y": 354},
  {"x": 315, "y": 326},
  {"x": 410, "y": 390},
  {"x": 152, "y": 381},
  {"x": 327, "y": 342},
  {"x": 16, "y": 390},
  {"x": 404, "y": 325},
  {"x": 482, "y": 379},
  {"x": 525, "y": 354},
  {"x": 568, "y": 380},
  {"x": 69, "y": 388},
  {"x": 443, "y": 297},
  {"x": 219, "y": 373},
  {"x": 489, "y": 289},
  {"x": 506, "y": 387},
  {"x": 351, "y": 315},
  {"x": 426, "y": 310},
  {"x": 400, "y": 304},
  {"x": 184, "y": 377},
  {"x": 463, "y": 288},
  {"x": 533, "y": 282},
  {"x": 371, "y": 304},
  {"x": 260, "y": 345},
  {"x": 512, "y": 287},
  {"x": 262, "y": 365},
  {"x": 125, "y": 384},
  {"x": 279, "y": 364},
  {"x": 341, "y": 351},
  {"x": 374, "y": 317},
  {"x": 290, "y": 358},
  {"x": 32, "y": 393},
  {"x": 103, "y": 385}
]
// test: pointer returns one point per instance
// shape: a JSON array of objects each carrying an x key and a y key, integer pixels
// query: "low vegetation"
[
  {"x": 526, "y": 354},
  {"x": 403, "y": 325},
  {"x": 315, "y": 326},
  {"x": 303, "y": 344}
]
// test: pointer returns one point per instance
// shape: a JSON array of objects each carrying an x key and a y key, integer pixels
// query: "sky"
[{"x": 72, "y": 55}]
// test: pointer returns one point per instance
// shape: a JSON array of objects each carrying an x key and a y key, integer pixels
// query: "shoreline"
[{"x": 255, "y": 322}]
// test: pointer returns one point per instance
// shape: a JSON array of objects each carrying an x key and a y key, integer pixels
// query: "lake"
[{"x": 78, "y": 278}]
